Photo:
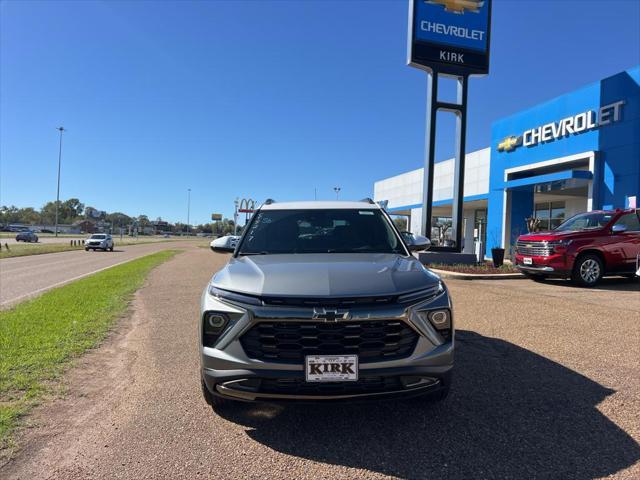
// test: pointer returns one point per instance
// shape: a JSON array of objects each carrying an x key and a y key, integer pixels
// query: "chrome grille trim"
[{"x": 534, "y": 249}]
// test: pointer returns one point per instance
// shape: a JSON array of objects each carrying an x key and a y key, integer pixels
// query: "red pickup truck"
[{"x": 584, "y": 248}]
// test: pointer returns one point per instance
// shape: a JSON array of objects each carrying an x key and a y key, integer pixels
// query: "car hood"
[
  {"x": 324, "y": 275},
  {"x": 553, "y": 235}
]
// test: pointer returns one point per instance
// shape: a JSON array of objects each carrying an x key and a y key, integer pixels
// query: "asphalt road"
[
  {"x": 547, "y": 386},
  {"x": 65, "y": 240},
  {"x": 24, "y": 277}
]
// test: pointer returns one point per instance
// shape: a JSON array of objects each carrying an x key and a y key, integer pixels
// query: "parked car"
[
  {"x": 27, "y": 236},
  {"x": 584, "y": 248},
  {"x": 323, "y": 301},
  {"x": 228, "y": 241},
  {"x": 99, "y": 241}
]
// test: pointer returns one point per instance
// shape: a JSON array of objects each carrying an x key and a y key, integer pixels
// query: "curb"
[{"x": 476, "y": 276}]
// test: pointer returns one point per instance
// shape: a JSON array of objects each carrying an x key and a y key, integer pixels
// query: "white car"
[
  {"x": 99, "y": 241},
  {"x": 228, "y": 241}
]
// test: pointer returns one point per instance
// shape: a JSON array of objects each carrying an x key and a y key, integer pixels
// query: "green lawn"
[{"x": 39, "y": 338}]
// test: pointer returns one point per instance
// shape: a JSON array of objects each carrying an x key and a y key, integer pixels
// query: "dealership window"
[{"x": 550, "y": 214}]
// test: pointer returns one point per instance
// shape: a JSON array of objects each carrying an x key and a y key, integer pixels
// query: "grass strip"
[{"x": 39, "y": 338}]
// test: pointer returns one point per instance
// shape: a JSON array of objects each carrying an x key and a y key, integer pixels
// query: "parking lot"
[{"x": 546, "y": 386}]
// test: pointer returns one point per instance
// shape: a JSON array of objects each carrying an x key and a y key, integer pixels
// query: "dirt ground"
[{"x": 547, "y": 385}]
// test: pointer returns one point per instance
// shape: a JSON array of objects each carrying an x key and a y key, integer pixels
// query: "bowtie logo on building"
[
  {"x": 459, "y": 6},
  {"x": 510, "y": 143}
]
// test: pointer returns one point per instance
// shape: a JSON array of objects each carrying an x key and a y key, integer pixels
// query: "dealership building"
[{"x": 574, "y": 153}]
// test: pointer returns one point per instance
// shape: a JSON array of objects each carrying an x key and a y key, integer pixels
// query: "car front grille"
[
  {"x": 534, "y": 249},
  {"x": 290, "y": 342},
  {"x": 364, "y": 385}
]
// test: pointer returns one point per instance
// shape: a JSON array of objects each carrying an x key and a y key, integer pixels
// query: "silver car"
[
  {"x": 99, "y": 241},
  {"x": 324, "y": 301}
]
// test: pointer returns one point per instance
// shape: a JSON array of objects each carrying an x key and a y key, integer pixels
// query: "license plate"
[
  {"x": 331, "y": 368},
  {"x": 527, "y": 261}
]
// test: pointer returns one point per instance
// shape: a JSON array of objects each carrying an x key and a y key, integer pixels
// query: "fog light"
[
  {"x": 214, "y": 323},
  {"x": 440, "y": 319}
]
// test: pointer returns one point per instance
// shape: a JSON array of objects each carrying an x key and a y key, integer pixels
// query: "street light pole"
[
  {"x": 61, "y": 129},
  {"x": 235, "y": 218},
  {"x": 188, "y": 211},
  {"x": 337, "y": 190}
]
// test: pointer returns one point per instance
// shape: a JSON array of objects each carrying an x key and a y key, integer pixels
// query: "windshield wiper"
[{"x": 253, "y": 253}]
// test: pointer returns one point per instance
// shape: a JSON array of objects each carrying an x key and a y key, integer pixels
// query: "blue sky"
[{"x": 268, "y": 99}]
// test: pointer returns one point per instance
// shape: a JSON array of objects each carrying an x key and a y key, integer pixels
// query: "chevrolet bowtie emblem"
[
  {"x": 509, "y": 143},
  {"x": 331, "y": 316},
  {"x": 459, "y": 6}
]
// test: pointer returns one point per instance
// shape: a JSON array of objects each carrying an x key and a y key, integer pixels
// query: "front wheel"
[
  {"x": 588, "y": 270},
  {"x": 86, "y": 249},
  {"x": 111, "y": 248}
]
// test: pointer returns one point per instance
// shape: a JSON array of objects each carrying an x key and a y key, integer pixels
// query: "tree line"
[{"x": 73, "y": 210}]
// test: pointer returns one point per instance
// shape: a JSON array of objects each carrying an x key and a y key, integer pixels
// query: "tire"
[
  {"x": 216, "y": 402},
  {"x": 587, "y": 270},
  {"x": 86, "y": 249},
  {"x": 111, "y": 248}
]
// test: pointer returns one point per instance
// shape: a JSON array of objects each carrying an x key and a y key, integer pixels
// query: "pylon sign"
[
  {"x": 247, "y": 205},
  {"x": 450, "y": 36}
]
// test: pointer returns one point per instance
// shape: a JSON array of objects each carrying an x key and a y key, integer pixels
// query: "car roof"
[
  {"x": 613, "y": 212},
  {"x": 320, "y": 205}
]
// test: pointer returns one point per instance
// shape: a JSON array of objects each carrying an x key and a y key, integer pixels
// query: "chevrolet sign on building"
[{"x": 572, "y": 125}]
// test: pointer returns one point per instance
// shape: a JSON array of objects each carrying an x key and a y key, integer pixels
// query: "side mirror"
[
  {"x": 619, "y": 228},
  {"x": 416, "y": 243},
  {"x": 223, "y": 245}
]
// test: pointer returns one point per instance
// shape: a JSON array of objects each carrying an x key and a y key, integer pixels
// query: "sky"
[{"x": 260, "y": 99}]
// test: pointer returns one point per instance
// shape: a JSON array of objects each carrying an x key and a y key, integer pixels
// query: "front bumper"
[
  {"x": 228, "y": 372},
  {"x": 247, "y": 385},
  {"x": 554, "y": 265}
]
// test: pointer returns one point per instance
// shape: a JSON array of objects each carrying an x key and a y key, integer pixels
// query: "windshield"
[
  {"x": 585, "y": 221},
  {"x": 320, "y": 231},
  {"x": 98, "y": 237}
]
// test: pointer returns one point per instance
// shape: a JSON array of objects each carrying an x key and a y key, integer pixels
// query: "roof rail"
[
  {"x": 269, "y": 201},
  {"x": 368, "y": 200}
]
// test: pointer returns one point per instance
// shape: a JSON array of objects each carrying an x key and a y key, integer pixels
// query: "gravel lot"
[{"x": 547, "y": 386}]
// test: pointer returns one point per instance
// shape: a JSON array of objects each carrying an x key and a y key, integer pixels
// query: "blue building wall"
[{"x": 617, "y": 175}]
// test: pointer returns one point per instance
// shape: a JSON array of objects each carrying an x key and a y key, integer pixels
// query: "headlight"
[
  {"x": 422, "y": 294},
  {"x": 440, "y": 320},
  {"x": 233, "y": 297},
  {"x": 215, "y": 324},
  {"x": 560, "y": 246}
]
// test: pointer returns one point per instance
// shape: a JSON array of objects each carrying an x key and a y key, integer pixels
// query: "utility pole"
[
  {"x": 60, "y": 129},
  {"x": 235, "y": 217},
  {"x": 188, "y": 211},
  {"x": 337, "y": 190}
]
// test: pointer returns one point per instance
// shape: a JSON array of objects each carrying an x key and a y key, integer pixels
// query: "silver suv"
[
  {"x": 99, "y": 241},
  {"x": 324, "y": 301}
]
